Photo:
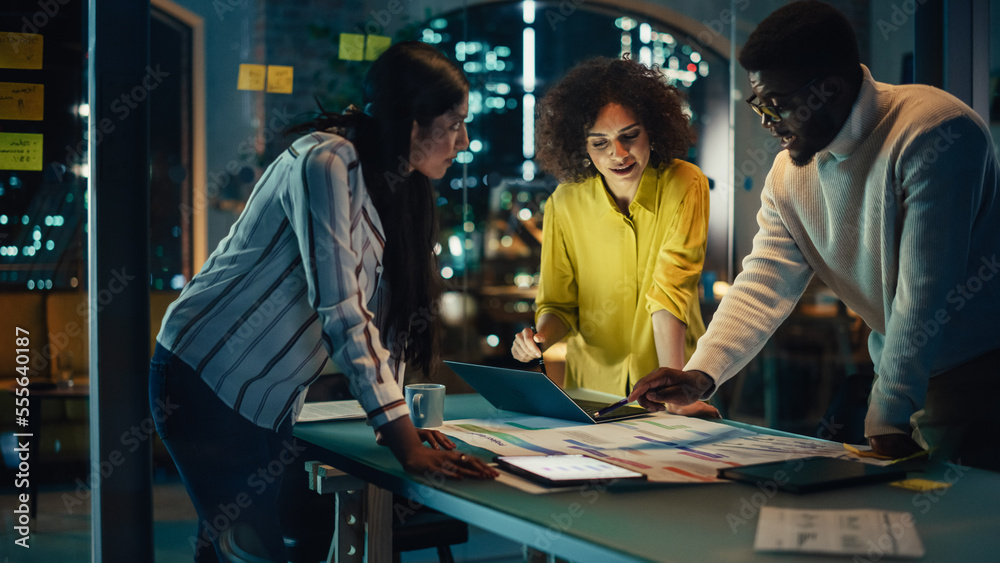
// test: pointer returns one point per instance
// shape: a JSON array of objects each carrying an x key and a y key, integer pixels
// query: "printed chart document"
[
  {"x": 667, "y": 448},
  {"x": 870, "y": 533},
  {"x": 331, "y": 410}
]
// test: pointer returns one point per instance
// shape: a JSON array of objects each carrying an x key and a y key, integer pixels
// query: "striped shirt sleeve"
[{"x": 324, "y": 208}]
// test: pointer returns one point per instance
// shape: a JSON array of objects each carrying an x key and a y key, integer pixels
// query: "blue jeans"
[{"x": 232, "y": 469}]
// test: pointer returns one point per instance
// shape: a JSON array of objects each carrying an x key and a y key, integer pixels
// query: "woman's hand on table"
[
  {"x": 407, "y": 444},
  {"x": 435, "y": 439},
  {"x": 432, "y": 438},
  {"x": 451, "y": 464}
]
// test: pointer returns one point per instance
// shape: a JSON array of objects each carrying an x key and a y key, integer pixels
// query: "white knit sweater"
[{"x": 900, "y": 217}]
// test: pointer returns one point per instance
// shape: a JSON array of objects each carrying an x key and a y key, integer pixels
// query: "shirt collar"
[
  {"x": 868, "y": 109},
  {"x": 645, "y": 196}
]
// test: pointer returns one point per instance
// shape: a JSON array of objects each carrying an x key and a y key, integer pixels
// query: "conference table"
[{"x": 662, "y": 522}]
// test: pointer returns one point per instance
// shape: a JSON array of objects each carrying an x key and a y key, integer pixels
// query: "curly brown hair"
[{"x": 570, "y": 109}]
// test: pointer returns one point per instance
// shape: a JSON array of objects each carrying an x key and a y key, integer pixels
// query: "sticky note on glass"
[
  {"x": 251, "y": 77},
  {"x": 377, "y": 44},
  {"x": 352, "y": 46},
  {"x": 20, "y": 151},
  {"x": 20, "y": 50},
  {"x": 22, "y": 101},
  {"x": 279, "y": 79}
]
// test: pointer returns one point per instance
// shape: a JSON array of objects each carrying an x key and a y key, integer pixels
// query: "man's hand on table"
[
  {"x": 699, "y": 409},
  {"x": 667, "y": 385},
  {"x": 894, "y": 445}
]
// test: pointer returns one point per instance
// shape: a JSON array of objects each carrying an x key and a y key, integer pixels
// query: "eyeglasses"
[{"x": 776, "y": 113}]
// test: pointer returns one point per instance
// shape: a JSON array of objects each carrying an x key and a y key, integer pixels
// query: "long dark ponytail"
[{"x": 411, "y": 81}]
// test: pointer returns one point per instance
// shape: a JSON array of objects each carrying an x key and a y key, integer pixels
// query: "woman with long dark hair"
[{"x": 330, "y": 260}]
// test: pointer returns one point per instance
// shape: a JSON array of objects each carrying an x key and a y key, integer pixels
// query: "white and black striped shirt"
[{"x": 292, "y": 286}]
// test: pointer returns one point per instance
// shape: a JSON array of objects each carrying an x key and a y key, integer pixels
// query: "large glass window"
[{"x": 43, "y": 253}]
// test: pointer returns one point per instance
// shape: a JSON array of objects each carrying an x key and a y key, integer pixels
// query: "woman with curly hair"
[{"x": 625, "y": 231}]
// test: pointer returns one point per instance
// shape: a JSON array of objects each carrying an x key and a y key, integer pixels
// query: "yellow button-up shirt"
[{"x": 604, "y": 274}]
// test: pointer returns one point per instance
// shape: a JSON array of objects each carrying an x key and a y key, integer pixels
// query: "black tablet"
[
  {"x": 565, "y": 470},
  {"x": 812, "y": 474}
]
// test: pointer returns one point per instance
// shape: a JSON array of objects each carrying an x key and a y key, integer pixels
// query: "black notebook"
[{"x": 812, "y": 474}]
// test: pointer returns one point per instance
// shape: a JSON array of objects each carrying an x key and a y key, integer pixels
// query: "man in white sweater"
[{"x": 890, "y": 195}]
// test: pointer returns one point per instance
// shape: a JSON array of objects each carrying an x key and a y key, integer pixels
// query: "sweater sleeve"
[
  {"x": 682, "y": 254},
  {"x": 557, "y": 289},
  {"x": 774, "y": 276},
  {"x": 320, "y": 207},
  {"x": 940, "y": 178}
]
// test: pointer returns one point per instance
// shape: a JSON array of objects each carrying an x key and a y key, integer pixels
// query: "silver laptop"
[{"x": 532, "y": 392}]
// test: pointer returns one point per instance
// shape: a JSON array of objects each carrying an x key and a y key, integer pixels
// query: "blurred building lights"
[
  {"x": 528, "y": 170},
  {"x": 529, "y": 59},
  {"x": 455, "y": 245},
  {"x": 645, "y": 56},
  {"x": 528, "y": 126}
]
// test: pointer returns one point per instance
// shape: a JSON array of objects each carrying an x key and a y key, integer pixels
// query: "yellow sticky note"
[
  {"x": 921, "y": 485},
  {"x": 251, "y": 77},
  {"x": 20, "y": 151},
  {"x": 352, "y": 47},
  {"x": 377, "y": 44},
  {"x": 22, "y": 101},
  {"x": 279, "y": 79},
  {"x": 20, "y": 50}
]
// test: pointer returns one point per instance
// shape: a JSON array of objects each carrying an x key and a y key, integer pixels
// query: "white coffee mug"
[{"x": 426, "y": 403}]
